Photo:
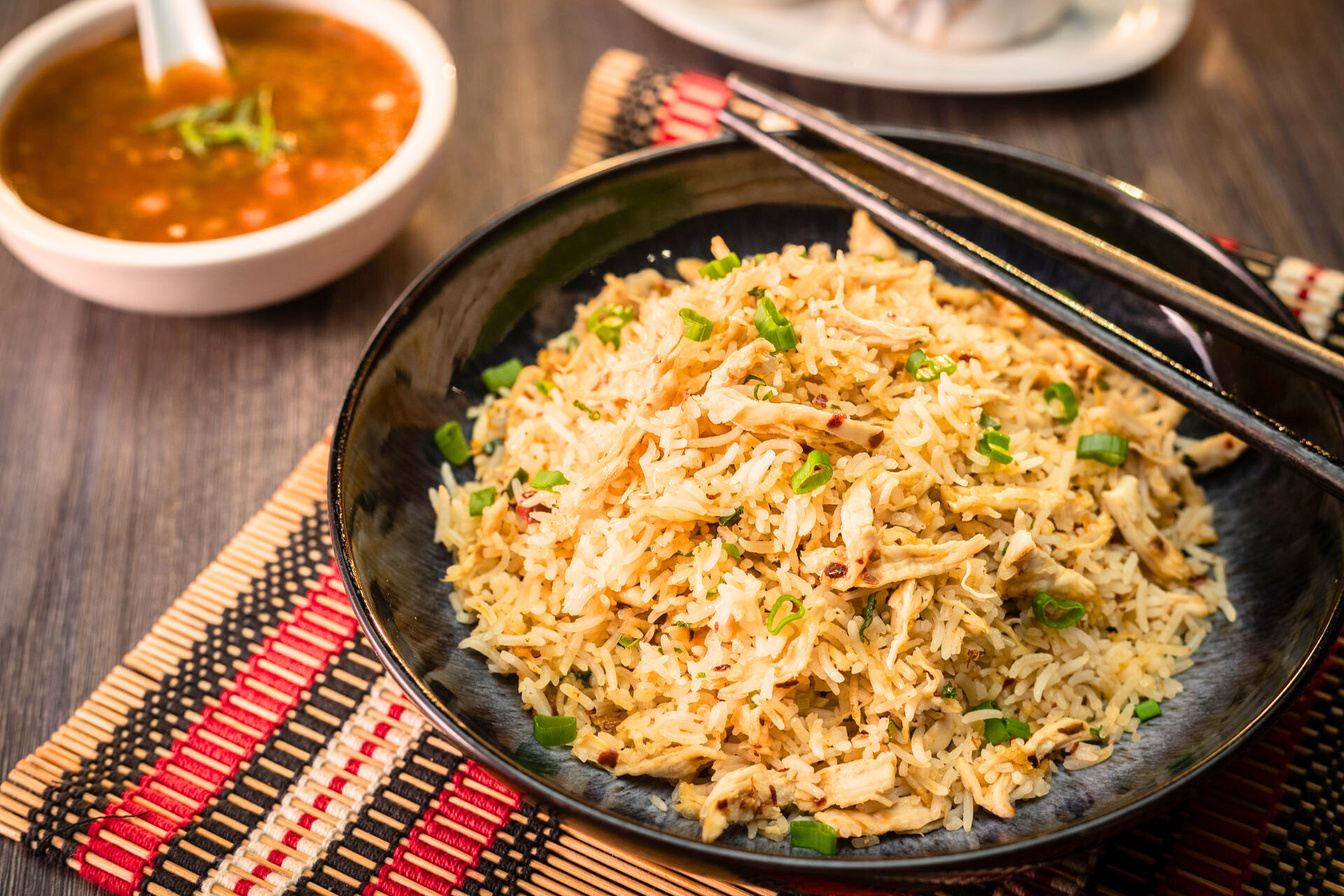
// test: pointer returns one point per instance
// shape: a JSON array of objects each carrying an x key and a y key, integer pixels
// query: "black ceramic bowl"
[{"x": 513, "y": 284}]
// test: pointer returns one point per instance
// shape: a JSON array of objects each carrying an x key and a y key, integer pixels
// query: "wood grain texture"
[{"x": 132, "y": 448}]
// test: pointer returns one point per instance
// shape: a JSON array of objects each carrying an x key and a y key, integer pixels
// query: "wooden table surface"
[{"x": 132, "y": 448}]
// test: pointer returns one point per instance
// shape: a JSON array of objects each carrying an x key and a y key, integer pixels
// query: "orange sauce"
[{"x": 91, "y": 145}]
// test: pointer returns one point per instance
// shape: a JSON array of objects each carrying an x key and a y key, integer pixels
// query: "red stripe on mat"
[
  {"x": 448, "y": 839},
  {"x": 245, "y": 717}
]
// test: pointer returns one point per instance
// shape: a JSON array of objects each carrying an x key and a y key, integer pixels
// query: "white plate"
[{"x": 1098, "y": 41}]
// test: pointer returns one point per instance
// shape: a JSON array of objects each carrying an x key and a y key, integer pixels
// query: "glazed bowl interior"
[{"x": 513, "y": 285}]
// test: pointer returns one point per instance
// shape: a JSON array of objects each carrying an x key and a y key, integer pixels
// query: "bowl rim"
[
  {"x": 409, "y": 33},
  {"x": 1019, "y": 853}
]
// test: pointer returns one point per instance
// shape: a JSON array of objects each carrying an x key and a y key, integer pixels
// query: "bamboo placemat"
[{"x": 252, "y": 743}]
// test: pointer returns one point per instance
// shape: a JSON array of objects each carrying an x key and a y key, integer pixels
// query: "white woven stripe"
[
  {"x": 1313, "y": 292},
  {"x": 252, "y": 852}
]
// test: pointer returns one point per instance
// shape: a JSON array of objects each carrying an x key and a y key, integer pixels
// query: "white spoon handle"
[{"x": 176, "y": 31}]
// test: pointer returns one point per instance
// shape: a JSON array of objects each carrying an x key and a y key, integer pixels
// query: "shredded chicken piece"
[
  {"x": 1027, "y": 568},
  {"x": 676, "y": 763},
  {"x": 1055, "y": 736},
  {"x": 736, "y": 365},
  {"x": 866, "y": 238},
  {"x": 742, "y": 795},
  {"x": 995, "y": 500},
  {"x": 877, "y": 333},
  {"x": 852, "y": 783},
  {"x": 908, "y": 815},
  {"x": 729, "y": 405},
  {"x": 1125, "y": 506},
  {"x": 900, "y": 562},
  {"x": 1212, "y": 453}
]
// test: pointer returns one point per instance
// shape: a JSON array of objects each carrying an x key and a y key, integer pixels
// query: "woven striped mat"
[{"x": 252, "y": 743}]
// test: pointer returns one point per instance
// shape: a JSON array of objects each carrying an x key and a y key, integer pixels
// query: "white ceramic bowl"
[{"x": 238, "y": 272}]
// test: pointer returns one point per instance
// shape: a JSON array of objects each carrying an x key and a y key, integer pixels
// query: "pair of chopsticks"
[{"x": 1062, "y": 312}]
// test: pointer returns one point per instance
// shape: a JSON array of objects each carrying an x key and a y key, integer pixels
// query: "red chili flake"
[
  {"x": 525, "y": 515},
  {"x": 876, "y": 439},
  {"x": 820, "y": 401},
  {"x": 836, "y": 570},
  {"x": 835, "y": 421},
  {"x": 724, "y": 668},
  {"x": 608, "y": 758}
]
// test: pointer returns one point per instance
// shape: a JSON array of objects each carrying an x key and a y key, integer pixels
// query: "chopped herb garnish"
[
  {"x": 481, "y": 500},
  {"x": 1055, "y": 612},
  {"x": 1147, "y": 709},
  {"x": 733, "y": 551},
  {"x": 695, "y": 327},
  {"x": 868, "y": 610},
  {"x": 452, "y": 443},
  {"x": 571, "y": 342},
  {"x": 608, "y": 321},
  {"x": 719, "y": 267},
  {"x": 732, "y": 517},
  {"x": 774, "y": 327},
  {"x": 492, "y": 446},
  {"x": 203, "y": 126},
  {"x": 681, "y": 623},
  {"x": 1016, "y": 728},
  {"x": 1109, "y": 449},
  {"x": 949, "y": 692},
  {"x": 554, "y": 731},
  {"x": 756, "y": 393},
  {"x": 627, "y": 641},
  {"x": 813, "y": 474},
  {"x": 583, "y": 676},
  {"x": 1068, "y": 402},
  {"x": 994, "y": 445},
  {"x": 1103, "y": 385},
  {"x": 988, "y": 422},
  {"x": 926, "y": 369},
  {"x": 775, "y": 622},
  {"x": 545, "y": 386},
  {"x": 592, "y": 414},
  {"x": 810, "y": 834},
  {"x": 547, "y": 480},
  {"x": 998, "y": 731},
  {"x": 1180, "y": 762},
  {"x": 519, "y": 475},
  {"x": 1095, "y": 732},
  {"x": 760, "y": 257},
  {"x": 501, "y": 376}
]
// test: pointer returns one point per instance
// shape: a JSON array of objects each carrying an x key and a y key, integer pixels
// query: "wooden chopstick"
[
  {"x": 1060, "y": 238},
  {"x": 1063, "y": 313}
]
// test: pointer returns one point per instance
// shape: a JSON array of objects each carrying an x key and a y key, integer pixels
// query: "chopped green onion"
[
  {"x": 492, "y": 446},
  {"x": 583, "y": 676},
  {"x": 1102, "y": 384},
  {"x": 811, "y": 834},
  {"x": 1070, "y": 612},
  {"x": 554, "y": 731},
  {"x": 949, "y": 692},
  {"x": 501, "y": 376},
  {"x": 1102, "y": 446},
  {"x": 1095, "y": 732},
  {"x": 682, "y": 623},
  {"x": 756, "y": 393},
  {"x": 813, "y": 474},
  {"x": 547, "y": 480},
  {"x": 926, "y": 369},
  {"x": 988, "y": 422},
  {"x": 545, "y": 386},
  {"x": 452, "y": 443},
  {"x": 760, "y": 257},
  {"x": 994, "y": 445},
  {"x": 1068, "y": 402},
  {"x": 998, "y": 731},
  {"x": 592, "y": 414},
  {"x": 719, "y": 267},
  {"x": 774, "y": 327},
  {"x": 627, "y": 641},
  {"x": 774, "y": 623},
  {"x": 1180, "y": 762},
  {"x": 734, "y": 551},
  {"x": 1148, "y": 709},
  {"x": 481, "y": 500},
  {"x": 608, "y": 321},
  {"x": 1016, "y": 728},
  {"x": 519, "y": 475},
  {"x": 868, "y": 610},
  {"x": 571, "y": 342},
  {"x": 985, "y": 704},
  {"x": 696, "y": 327},
  {"x": 732, "y": 517}
]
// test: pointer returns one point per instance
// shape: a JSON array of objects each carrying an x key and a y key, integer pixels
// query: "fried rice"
[{"x": 881, "y": 641}]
